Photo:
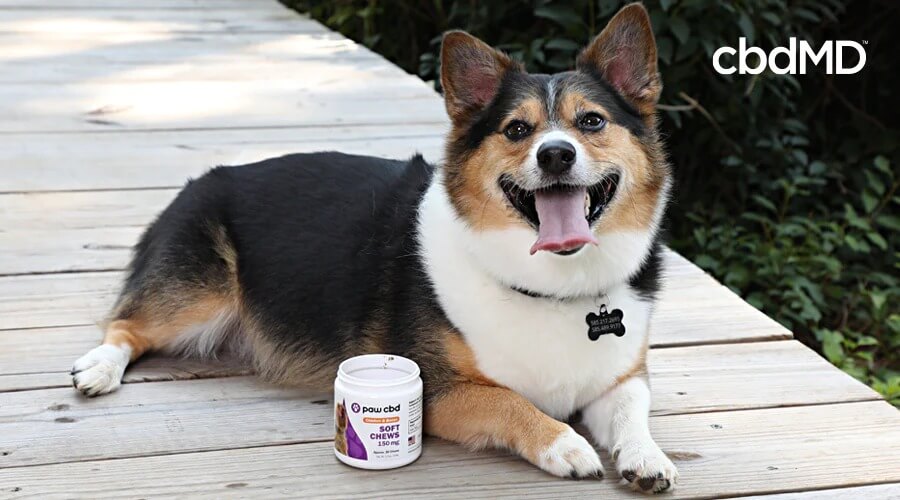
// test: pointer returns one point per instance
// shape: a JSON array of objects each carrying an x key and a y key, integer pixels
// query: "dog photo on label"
[
  {"x": 340, "y": 428},
  {"x": 520, "y": 274}
]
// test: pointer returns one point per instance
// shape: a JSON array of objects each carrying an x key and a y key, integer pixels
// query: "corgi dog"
[{"x": 520, "y": 274}]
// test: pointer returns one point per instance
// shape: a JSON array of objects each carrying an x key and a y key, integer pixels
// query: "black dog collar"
[{"x": 538, "y": 295}]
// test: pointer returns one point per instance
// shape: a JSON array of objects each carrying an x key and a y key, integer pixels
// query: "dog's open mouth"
[{"x": 562, "y": 214}]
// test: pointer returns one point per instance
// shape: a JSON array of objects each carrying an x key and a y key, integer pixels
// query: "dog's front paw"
[
  {"x": 645, "y": 467},
  {"x": 571, "y": 455},
  {"x": 100, "y": 371}
]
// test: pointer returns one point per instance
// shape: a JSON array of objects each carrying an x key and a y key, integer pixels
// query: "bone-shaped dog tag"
[{"x": 605, "y": 322}]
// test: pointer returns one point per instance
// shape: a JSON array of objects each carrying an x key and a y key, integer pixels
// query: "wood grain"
[
  {"x": 717, "y": 316},
  {"x": 121, "y": 101},
  {"x": 167, "y": 159},
  {"x": 107, "y": 54},
  {"x": 875, "y": 492},
  {"x": 83, "y": 107},
  {"x": 87, "y": 22},
  {"x": 743, "y": 376},
  {"x": 192, "y": 69},
  {"x": 66, "y": 5},
  {"x": 683, "y": 380},
  {"x": 61, "y": 425},
  {"x": 718, "y": 454}
]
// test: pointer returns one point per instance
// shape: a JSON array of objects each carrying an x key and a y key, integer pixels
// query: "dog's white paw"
[
  {"x": 571, "y": 455},
  {"x": 644, "y": 466},
  {"x": 100, "y": 370}
]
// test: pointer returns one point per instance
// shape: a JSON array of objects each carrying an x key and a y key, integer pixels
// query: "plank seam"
[
  {"x": 241, "y": 127},
  {"x": 802, "y": 490},
  {"x": 328, "y": 440}
]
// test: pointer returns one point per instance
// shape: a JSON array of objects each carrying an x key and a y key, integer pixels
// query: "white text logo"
[{"x": 832, "y": 52}]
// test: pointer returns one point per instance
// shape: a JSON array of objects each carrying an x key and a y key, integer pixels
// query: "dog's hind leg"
[
  {"x": 102, "y": 368},
  {"x": 181, "y": 294},
  {"x": 197, "y": 327}
]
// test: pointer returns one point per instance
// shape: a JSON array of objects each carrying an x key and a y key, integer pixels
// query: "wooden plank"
[
  {"x": 111, "y": 50},
  {"x": 42, "y": 358},
  {"x": 167, "y": 159},
  {"x": 684, "y": 380},
  {"x": 56, "y": 300},
  {"x": 718, "y": 454},
  {"x": 149, "y": 369},
  {"x": 45, "y": 350},
  {"x": 875, "y": 492},
  {"x": 89, "y": 22},
  {"x": 83, "y": 107},
  {"x": 27, "y": 251},
  {"x": 744, "y": 376},
  {"x": 87, "y": 209},
  {"x": 216, "y": 68},
  {"x": 36, "y": 301},
  {"x": 64, "y": 5},
  {"x": 54, "y": 425}
]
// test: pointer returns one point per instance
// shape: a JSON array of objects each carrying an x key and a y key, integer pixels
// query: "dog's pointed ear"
[
  {"x": 471, "y": 72},
  {"x": 624, "y": 54}
]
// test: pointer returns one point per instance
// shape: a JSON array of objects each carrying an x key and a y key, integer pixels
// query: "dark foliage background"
[{"x": 787, "y": 185}]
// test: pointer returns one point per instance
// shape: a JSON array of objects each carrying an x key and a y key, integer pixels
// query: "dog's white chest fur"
[{"x": 538, "y": 347}]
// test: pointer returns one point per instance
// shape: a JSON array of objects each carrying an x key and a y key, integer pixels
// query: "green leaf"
[
  {"x": 807, "y": 14},
  {"x": 563, "y": 44},
  {"x": 831, "y": 345},
  {"x": 882, "y": 163},
  {"x": 705, "y": 261},
  {"x": 561, "y": 15},
  {"x": 800, "y": 155},
  {"x": 854, "y": 219},
  {"x": 866, "y": 340},
  {"x": 869, "y": 201},
  {"x": 817, "y": 168},
  {"x": 666, "y": 4},
  {"x": 665, "y": 49},
  {"x": 772, "y": 18},
  {"x": 765, "y": 203},
  {"x": 680, "y": 29},
  {"x": 732, "y": 161},
  {"x": 889, "y": 221},
  {"x": 607, "y": 7},
  {"x": 794, "y": 125},
  {"x": 875, "y": 183},
  {"x": 700, "y": 236},
  {"x": 878, "y": 300},
  {"x": 746, "y": 26},
  {"x": 878, "y": 240}
]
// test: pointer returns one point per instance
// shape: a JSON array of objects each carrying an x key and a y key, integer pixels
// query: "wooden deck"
[{"x": 107, "y": 106}]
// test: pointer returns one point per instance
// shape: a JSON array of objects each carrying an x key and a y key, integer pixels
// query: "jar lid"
[{"x": 378, "y": 370}]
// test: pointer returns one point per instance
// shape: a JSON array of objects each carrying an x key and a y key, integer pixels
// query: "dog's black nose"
[{"x": 556, "y": 157}]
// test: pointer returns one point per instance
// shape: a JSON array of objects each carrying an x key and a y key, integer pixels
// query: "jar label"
[{"x": 377, "y": 429}]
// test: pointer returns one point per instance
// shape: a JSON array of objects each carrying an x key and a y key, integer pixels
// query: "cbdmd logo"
[{"x": 832, "y": 52}]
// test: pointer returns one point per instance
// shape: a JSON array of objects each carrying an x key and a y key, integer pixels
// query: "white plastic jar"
[{"x": 378, "y": 411}]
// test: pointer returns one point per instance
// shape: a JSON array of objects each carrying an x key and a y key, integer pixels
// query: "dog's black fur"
[{"x": 327, "y": 257}]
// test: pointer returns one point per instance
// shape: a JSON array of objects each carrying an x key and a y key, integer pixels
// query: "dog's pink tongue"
[{"x": 563, "y": 225}]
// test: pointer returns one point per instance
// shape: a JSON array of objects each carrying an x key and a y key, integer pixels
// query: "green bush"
[{"x": 787, "y": 185}]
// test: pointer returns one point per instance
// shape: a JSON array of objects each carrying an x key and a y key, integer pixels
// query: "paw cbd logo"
[{"x": 355, "y": 407}]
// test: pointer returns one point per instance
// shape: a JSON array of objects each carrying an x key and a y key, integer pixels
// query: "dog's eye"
[
  {"x": 591, "y": 122},
  {"x": 517, "y": 130}
]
